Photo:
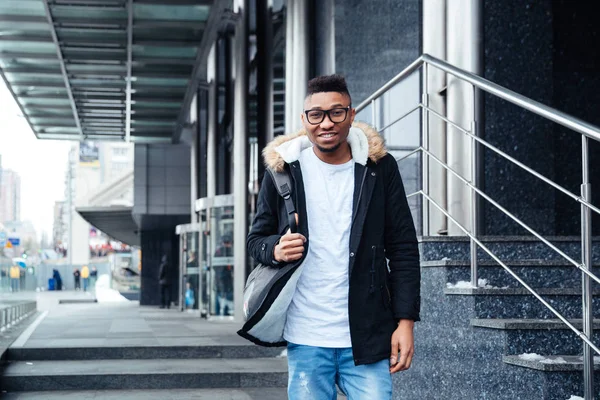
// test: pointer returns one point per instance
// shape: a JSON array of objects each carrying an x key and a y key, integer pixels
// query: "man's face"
[{"x": 328, "y": 136}]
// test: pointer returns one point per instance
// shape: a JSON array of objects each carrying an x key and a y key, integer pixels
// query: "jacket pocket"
[
  {"x": 379, "y": 275},
  {"x": 386, "y": 297}
]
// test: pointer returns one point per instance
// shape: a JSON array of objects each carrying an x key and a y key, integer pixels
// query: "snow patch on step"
[
  {"x": 482, "y": 283},
  {"x": 542, "y": 359}
]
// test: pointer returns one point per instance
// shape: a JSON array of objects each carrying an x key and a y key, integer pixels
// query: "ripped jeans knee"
[{"x": 314, "y": 372}]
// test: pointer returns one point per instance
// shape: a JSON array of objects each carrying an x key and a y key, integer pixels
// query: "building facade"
[
  {"x": 10, "y": 196},
  {"x": 58, "y": 226},
  {"x": 98, "y": 174}
]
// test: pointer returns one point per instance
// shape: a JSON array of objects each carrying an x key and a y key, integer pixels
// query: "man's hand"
[
  {"x": 404, "y": 343},
  {"x": 290, "y": 247}
]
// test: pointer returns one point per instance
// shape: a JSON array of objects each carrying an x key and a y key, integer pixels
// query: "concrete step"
[
  {"x": 505, "y": 247},
  {"x": 519, "y": 303},
  {"x": 172, "y": 394},
  {"x": 539, "y": 273},
  {"x": 232, "y": 351},
  {"x": 547, "y": 363},
  {"x": 78, "y": 301},
  {"x": 542, "y": 336},
  {"x": 144, "y": 374}
]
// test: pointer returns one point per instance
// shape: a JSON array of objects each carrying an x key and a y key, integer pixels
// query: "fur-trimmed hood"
[{"x": 364, "y": 141}]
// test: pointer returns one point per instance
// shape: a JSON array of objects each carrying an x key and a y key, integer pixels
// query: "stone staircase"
[
  {"x": 498, "y": 341},
  {"x": 119, "y": 350},
  {"x": 198, "y": 372}
]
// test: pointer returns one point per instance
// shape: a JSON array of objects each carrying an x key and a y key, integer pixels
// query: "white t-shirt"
[{"x": 318, "y": 314}]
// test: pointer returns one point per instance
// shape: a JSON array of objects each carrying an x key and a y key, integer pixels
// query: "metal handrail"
[
  {"x": 535, "y": 107},
  {"x": 418, "y": 149},
  {"x": 415, "y": 65},
  {"x": 492, "y": 201},
  {"x": 586, "y": 130},
  {"x": 401, "y": 118},
  {"x": 516, "y": 162},
  {"x": 581, "y": 335},
  {"x": 510, "y": 215},
  {"x": 533, "y": 172}
]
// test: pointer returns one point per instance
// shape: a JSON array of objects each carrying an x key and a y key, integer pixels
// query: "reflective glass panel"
[
  {"x": 192, "y": 269},
  {"x": 221, "y": 288}
]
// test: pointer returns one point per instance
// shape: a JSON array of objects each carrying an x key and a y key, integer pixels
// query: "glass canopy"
[{"x": 79, "y": 68}]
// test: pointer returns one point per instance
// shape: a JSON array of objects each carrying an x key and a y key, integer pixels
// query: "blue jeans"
[{"x": 314, "y": 372}]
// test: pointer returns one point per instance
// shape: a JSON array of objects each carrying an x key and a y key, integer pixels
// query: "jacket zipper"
[
  {"x": 372, "y": 288},
  {"x": 362, "y": 184}
]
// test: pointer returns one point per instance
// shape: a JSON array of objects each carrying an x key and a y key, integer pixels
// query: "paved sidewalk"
[
  {"x": 171, "y": 394},
  {"x": 123, "y": 324},
  {"x": 77, "y": 350}
]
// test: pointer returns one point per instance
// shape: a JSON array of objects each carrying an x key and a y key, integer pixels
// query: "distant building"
[
  {"x": 25, "y": 232},
  {"x": 59, "y": 226},
  {"x": 101, "y": 174},
  {"x": 10, "y": 195}
]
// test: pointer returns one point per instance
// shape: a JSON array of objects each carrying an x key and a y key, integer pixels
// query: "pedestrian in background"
[
  {"x": 15, "y": 278},
  {"x": 93, "y": 278},
  {"x": 85, "y": 275},
  {"x": 57, "y": 279},
  {"x": 77, "y": 278},
  {"x": 165, "y": 283}
]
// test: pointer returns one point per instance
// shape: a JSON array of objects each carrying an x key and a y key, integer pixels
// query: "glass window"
[
  {"x": 120, "y": 151},
  {"x": 221, "y": 289},
  {"x": 192, "y": 269}
]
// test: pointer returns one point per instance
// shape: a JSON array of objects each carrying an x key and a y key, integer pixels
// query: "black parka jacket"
[{"x": 382, "y": 228}]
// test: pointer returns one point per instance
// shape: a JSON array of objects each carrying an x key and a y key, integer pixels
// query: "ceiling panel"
[{"x": 78, "y": 68}]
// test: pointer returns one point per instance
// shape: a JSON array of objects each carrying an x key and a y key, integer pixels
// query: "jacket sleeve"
[
  {"x": 263, "y": 235},
  {"x": 401, "y": 247}
]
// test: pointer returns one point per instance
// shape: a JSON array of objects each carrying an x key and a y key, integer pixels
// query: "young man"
[{"x": 350, "y": 320}]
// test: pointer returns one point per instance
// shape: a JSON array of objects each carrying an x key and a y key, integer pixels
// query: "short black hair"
[{"x": 328, "y": 83}]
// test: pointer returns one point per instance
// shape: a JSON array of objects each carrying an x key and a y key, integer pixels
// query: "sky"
[{"x": 41, "y": 164}]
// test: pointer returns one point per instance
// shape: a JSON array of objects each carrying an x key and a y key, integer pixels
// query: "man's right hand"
[{"x": 290, "y": 247}]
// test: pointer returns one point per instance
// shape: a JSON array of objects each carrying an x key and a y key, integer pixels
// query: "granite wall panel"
[
  {"x": 549, "y": 51},
  {"x": 576, "y": 92},
  {"x": 374, "y": 41},
  {"x": 518, "y": 39}
]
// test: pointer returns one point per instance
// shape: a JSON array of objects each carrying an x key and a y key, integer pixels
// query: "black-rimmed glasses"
[{"x": 336, "y": 115}]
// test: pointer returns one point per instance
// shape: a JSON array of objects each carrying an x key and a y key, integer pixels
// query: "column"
[{"x": 240, "y": 157}]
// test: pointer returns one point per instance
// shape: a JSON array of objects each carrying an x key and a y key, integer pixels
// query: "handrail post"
[
  {"x": 374, "y": 114},
  {"x": 586, "y": 284},
  {"x": 474, "y": 210},
  {"x": 425, "y": 144}
]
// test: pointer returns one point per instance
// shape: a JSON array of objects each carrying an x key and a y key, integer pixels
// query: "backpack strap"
[{"x": 284, "y": 187}]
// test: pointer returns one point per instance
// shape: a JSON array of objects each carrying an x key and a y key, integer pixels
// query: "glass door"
[
  {"x": 192, "y": 279},
  {"x": 221, "y": 240},
  {"x": 216, "y": 256},
  {"x": 204, "y": 237},
  {"x": 189, "y": 267}
]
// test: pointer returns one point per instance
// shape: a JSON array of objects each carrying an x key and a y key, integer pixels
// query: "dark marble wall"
[
  {"x": 374, "y": 41},
  {"x": 547, "y": 50},
  {"x": 518, "y": 40},
  {"x": 576, "y": 80}
]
